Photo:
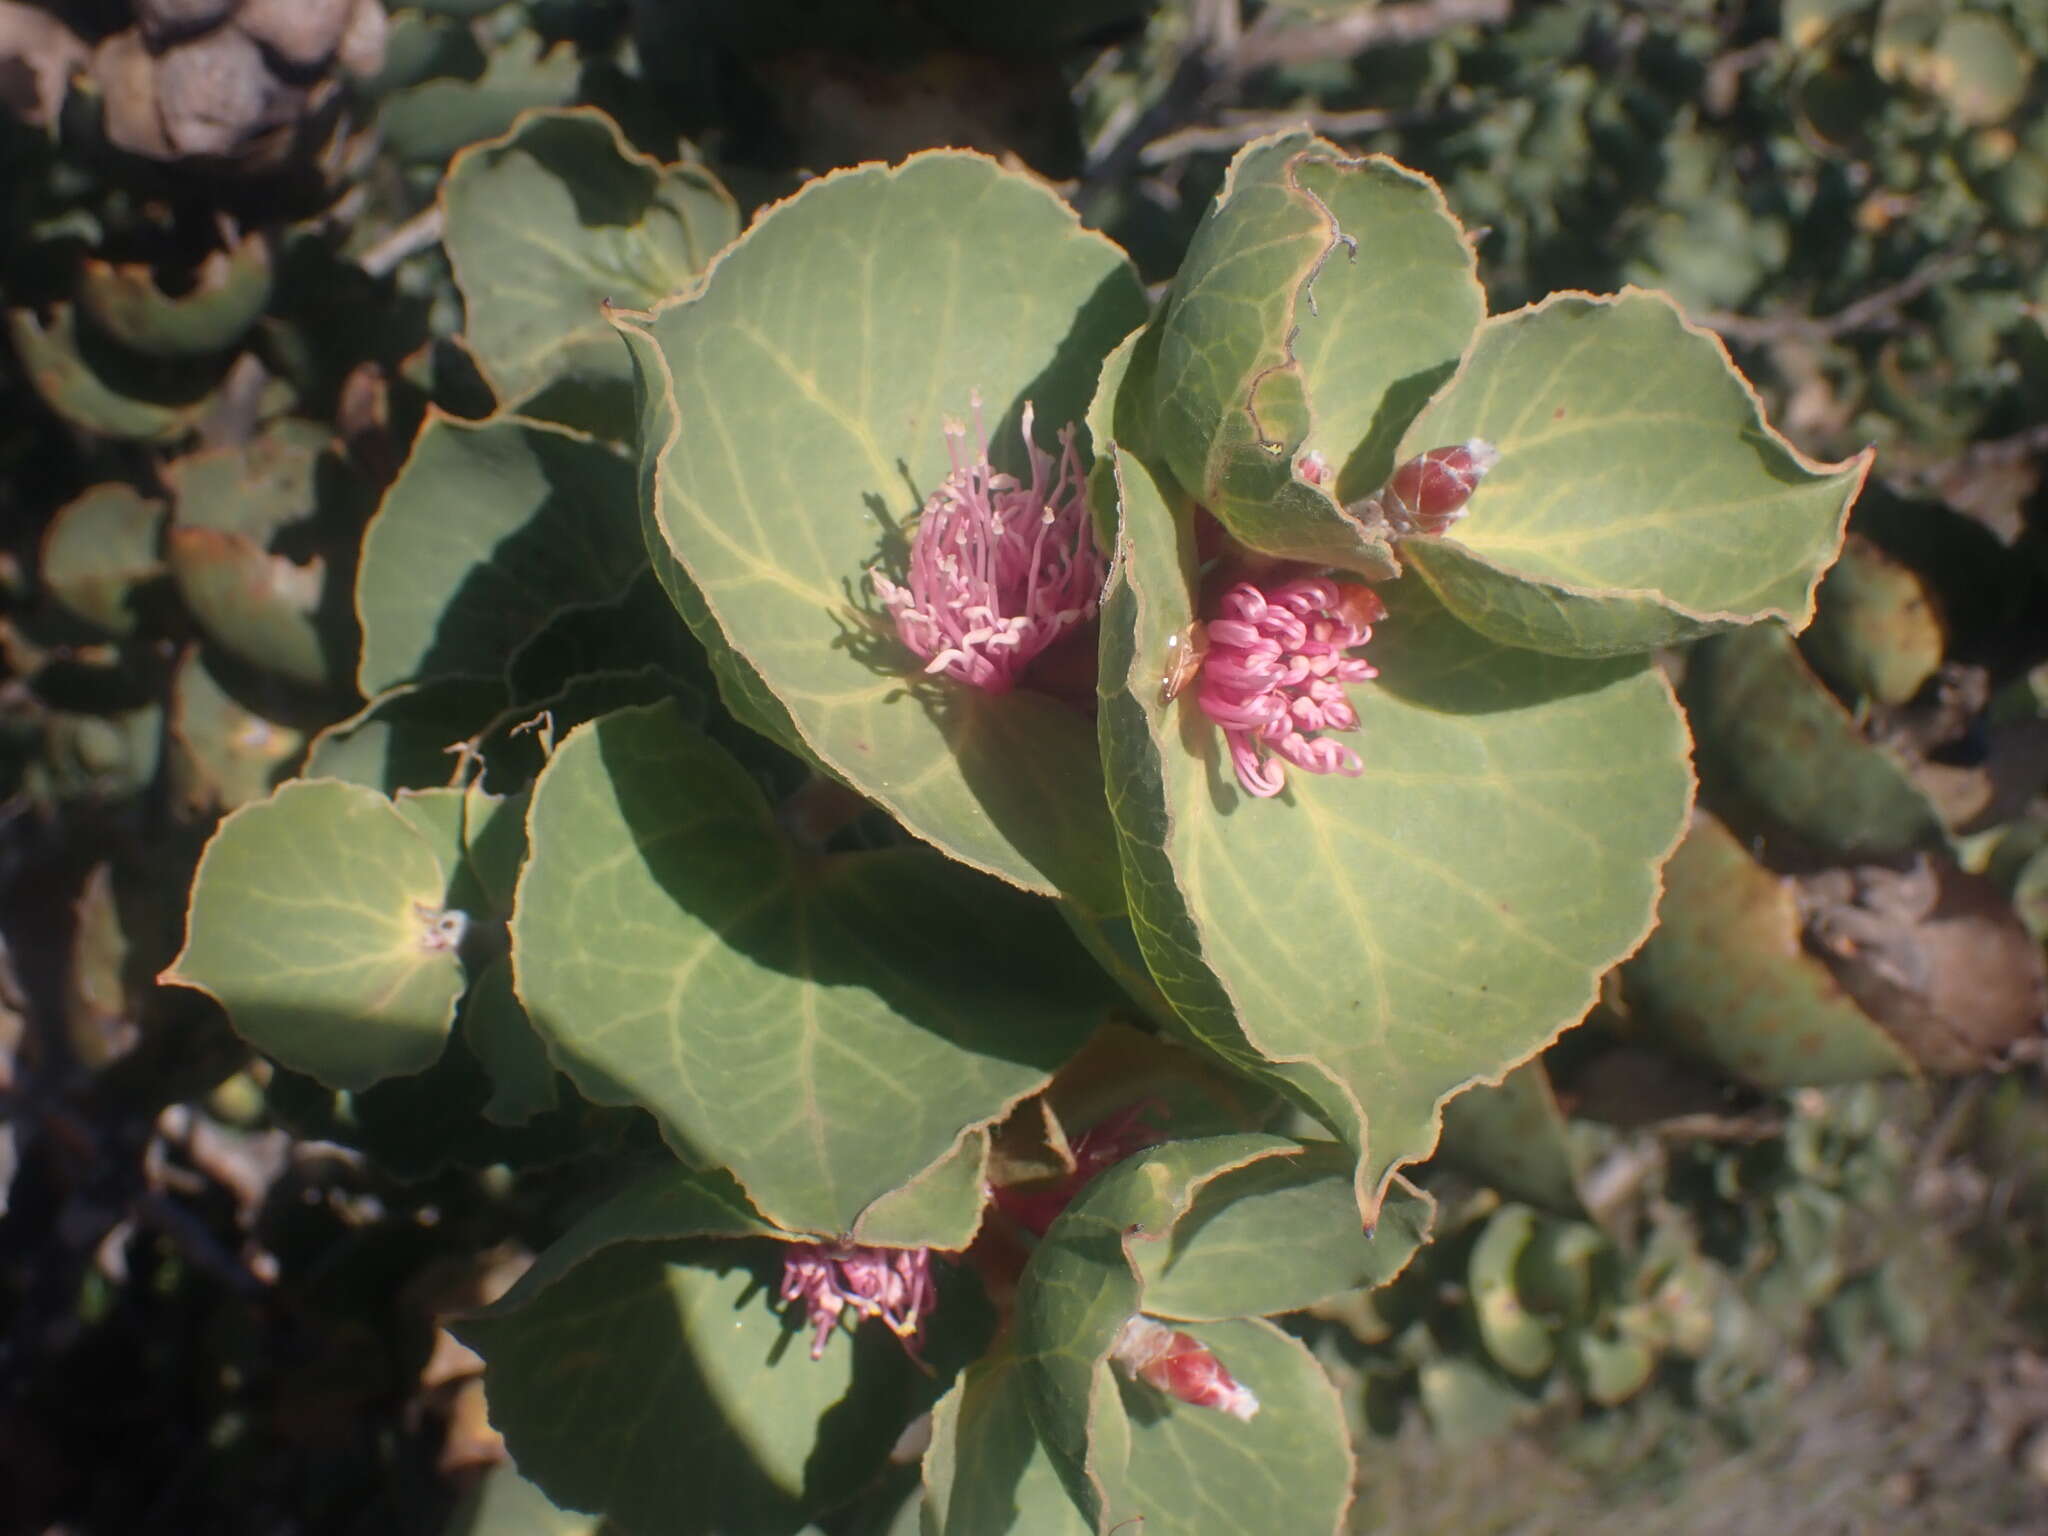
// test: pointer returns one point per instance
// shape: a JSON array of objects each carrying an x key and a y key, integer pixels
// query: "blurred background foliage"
[{"x": 1773, "y": 1218}]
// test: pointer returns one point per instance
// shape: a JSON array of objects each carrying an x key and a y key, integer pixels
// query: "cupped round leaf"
[
  {"x": 91, "y": 387},
  {"x": 1725, "y": 978},
  {"x": 1437, "y": 919},
  {"x": 827, "y": 1028},
  {"x": 223, "y": 754},
  {"x": 230, "y": 290},
  {"x": 1278, "y": 1236},
  {"x": 427, "y": 123},
  {"x": 1322, "y": 300},
  {"x": 98, "y": 549},
  {"x": 793, "y": 420},
  {"x": 554, "y": 221},
  {"x": 317, "y": 922},
  {"x": 1124, "y": 1450},
  {"x": 1774, "y": 740},
  {"x": 1641, "y": 499},
  {"x": 263, "y": 608},
  {"x": 1878, "y": 631},
  {"x": 489, "y": 530},
  {"x": 1082, "y": 1285},
  {"x": 661, "y": 1385}
]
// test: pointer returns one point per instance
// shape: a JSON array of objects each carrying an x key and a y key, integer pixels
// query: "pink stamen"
[
  {"x": 998, "y": 570},
  {"x": 892, "y": 1284},
  {"x": 1275, "y": 673}
]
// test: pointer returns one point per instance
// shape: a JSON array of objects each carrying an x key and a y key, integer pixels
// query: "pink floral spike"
[
  {"x": 893, "y": 1284},
  {"x": 998, "y": 570},
  {"x": 1275, "y": 673}
]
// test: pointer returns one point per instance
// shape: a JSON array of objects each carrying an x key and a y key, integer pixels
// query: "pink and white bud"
[
  {"x": 1181, "y": 1366},
  {"x": 892, "y": 1284},
  {"x": 998, "y": 569},
  {"x": 1314, "y": 468},
  {"x": 1275, "y": 671},
  {"x": 1428, "y": 493}
]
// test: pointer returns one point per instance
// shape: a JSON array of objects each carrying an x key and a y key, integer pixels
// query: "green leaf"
[
  {"x": 1520, "y": 1343},
  {"x": 99, "y": 548},
  {"x": 1641, "y": 498},
  {"x": 228, "y": 293},
  {"x": 1278, "y": 1236},
  {"x": 1436, "y": 920},
  {"x": 505, "y": 1504},
  {"x": 316, "y": 922},
  {"x": 407, "y": 738},
  {"x": 792, "y": 422},
  {"x": 1878, "y": 632},
  {"x": 265, "y": 609},
  {"x": 985, "y": 1473},
  {"x": 1725, "y": 977},
  {"x": 1124, "y": 1450},
  {"x": 1082, "y": 1285},
  {"x": 1775, "y": 740},
  {"x": 1321, "y": 301},
  {"x": 92, "y": 386},
  {"x": 1513, "y": 1136},
  {"x": 660, "y": 1384},
  {"x": 223, "y": 755},
  {"x": 489, "y": 530},
  {"x": 1196, "y": 1472},
  {"x": 499, "y": 1035},
  {"x": 827, "y": 1028},
  {"x": 427, "y": 123},
  {"x": 555, "y": 221}
]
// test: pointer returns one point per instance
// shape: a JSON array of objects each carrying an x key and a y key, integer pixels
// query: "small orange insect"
[{"x": 1185, "y": 652}]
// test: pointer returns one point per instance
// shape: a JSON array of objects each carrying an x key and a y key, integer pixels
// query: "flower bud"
[{"x": 1428, "y": 493}]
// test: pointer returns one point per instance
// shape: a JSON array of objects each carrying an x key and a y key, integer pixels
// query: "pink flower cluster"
[
  {"x": 1275, "y": 672},
  {"x": 893, "y": 1284},
  {"x": 998, "y": 569}
]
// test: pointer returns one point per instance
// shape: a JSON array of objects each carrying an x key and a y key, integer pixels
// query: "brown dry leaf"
[
  {"x": 165, "y": 21},
  {"x": 303, "y": 34},
  {"x": 125, "y": 73},
  {"x": 38, "y": 55},
  {"x": 217, "y": 95},
  {"x": 1934, "y": 954},
  {"x": 362, "y": 45}
]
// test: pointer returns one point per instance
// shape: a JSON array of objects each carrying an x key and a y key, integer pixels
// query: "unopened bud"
[
  {"x": 1428, "y": 493},
  {"x": 1181, "y": 1366}
]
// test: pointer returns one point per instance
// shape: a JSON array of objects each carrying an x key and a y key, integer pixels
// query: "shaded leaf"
[
  {"x": 1773, "y": 738},
  {"x": 316, "y": 922},
  {"x": 223, "y": 754},
  {"x": 1122, "y": 1449},
  {"x": 98, "y": 549},
  {"x": 558, "y": 219},
  {"x": 93, "y": 390},
  {"x": 489, "y": 530},
  {"x": 1512, "y": 1135},
  {"x": 1278, "y": 1236},
  {"x": 828, "y": 1029}
]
